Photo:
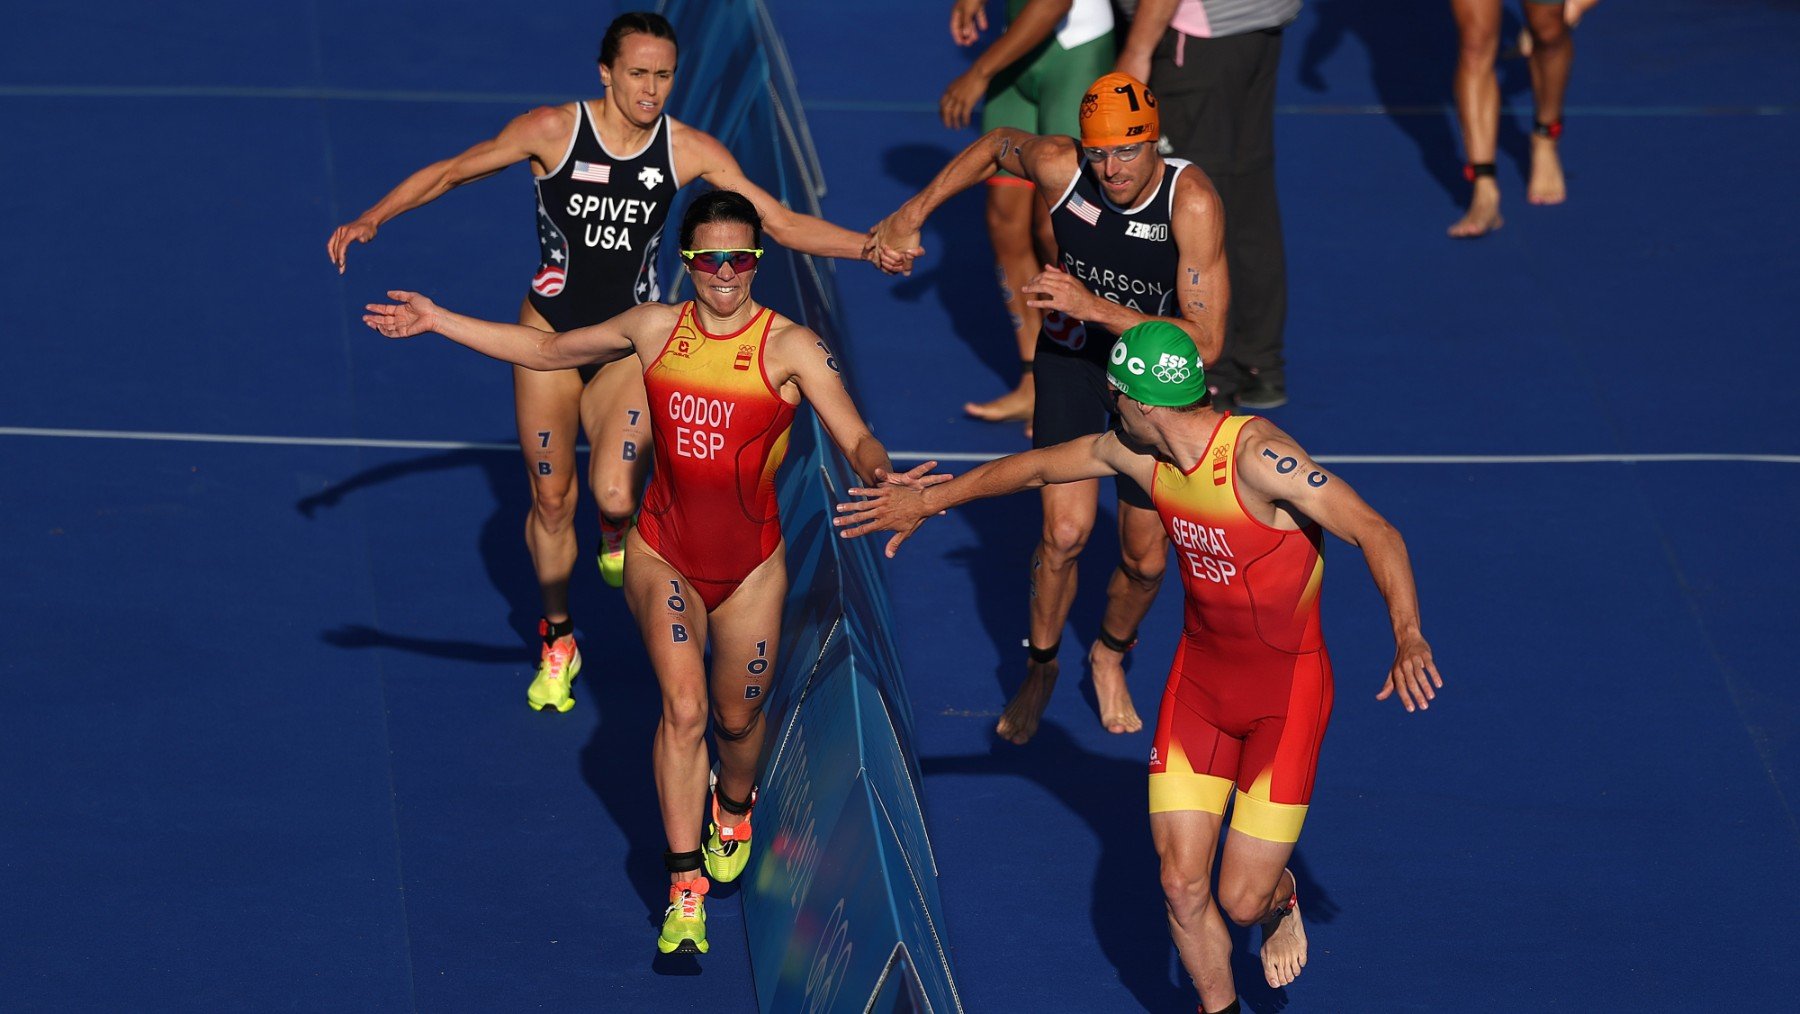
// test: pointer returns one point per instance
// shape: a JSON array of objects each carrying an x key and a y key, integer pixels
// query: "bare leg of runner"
[
  {"x": 1254, "y": 889},
  {"x": 1552, "y": 56},
  {"x": 1011, "y": 208},
  {"x": 1185, "y": 842},
  {"x": 1069, "y": 510},
  {"x": 547, "y": 407},
  {"x": 1144, "y": 553},
  {"x": 672, "y": 619},
  {"x": 614, "y": 412},
  {"x": 1478, "y": 105},
  {"x": 746, "y": 632}
]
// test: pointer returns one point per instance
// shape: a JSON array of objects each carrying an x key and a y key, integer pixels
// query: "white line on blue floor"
[{"x": 464, "y": 445}]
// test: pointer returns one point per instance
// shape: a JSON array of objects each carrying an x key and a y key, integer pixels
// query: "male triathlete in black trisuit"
[{"x": 1141, "y": 238}]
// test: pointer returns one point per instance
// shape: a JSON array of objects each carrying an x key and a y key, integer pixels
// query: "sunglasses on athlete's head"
[
  {"x": 1122, "y": 152},
  {"x": 710, "y": 261}
]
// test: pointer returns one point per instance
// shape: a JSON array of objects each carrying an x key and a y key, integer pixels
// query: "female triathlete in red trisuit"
[{"x": 706, "y": 561}]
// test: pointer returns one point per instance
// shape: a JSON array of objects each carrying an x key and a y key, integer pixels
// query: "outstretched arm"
[
  {"x": 703, "y": 157},
  {"x": 519, "y": 141},
  {"x": 811, "y": 365},
  {"x": 1049, "y": 162},
  {"x": 519, "y": 344},
  {"x": 901, "y": 509},
  {"x": 1274, "y": 467}
]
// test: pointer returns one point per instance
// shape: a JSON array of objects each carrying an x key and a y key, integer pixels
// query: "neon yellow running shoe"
[
  {"x": 727, "y": 849},
  {"x": 610, "y": 555},
  {"x": 684, "y": 924},
  {"x": 557, "y": 668}
]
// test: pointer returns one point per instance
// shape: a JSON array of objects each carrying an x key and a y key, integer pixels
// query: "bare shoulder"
[
  {"x": 795, "y": 349},
  {"x": 1259, "y": 434},
  {"x": 652, "y": 317},
  {"x": 1273, "y": 464},
  {"x": 1053, "y": 160},
  {"x": 787, "y": 336},
  {"x": 545, "y": 122},
  {"x": 543, "y": 132},
  {"x": 695, "y": 145},
  {"x": 1134, "y": 463},
  {"x": 1196, "y": 199},
  {"x": 645, "y": 321}
]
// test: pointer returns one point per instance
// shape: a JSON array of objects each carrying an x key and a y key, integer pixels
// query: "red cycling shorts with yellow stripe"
[{"x": 1241, "y": 716}]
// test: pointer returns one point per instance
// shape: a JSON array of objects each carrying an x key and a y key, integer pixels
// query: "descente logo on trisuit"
[{"x": 650, "y": 176}]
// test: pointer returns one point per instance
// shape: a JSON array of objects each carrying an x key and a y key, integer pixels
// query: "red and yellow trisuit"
[
  {"x": 1249, "y": 692},
  {"x": 721, "y": 431}
]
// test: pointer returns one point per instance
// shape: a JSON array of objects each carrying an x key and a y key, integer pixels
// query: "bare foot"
[
  {"x": 1019, "y": 722},
  {"x": 1547, "y": 185},
  {"x": 1483, "y": 216},
  {"x": 1116, "y": 710},
  {"x": 1014, "y": 406},
  {"x": 1284, "y": 947}
]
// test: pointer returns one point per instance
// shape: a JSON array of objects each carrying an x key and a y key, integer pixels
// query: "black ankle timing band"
[
  {"x": 735, "y": 806},
  {"x": 1042, "y": 655},
  {"x": 681, "y": 862},
  {"x": 552, "y": 631},
  {"x": 1473, "y": 171},
  {"x": 1118, "y": 644}
]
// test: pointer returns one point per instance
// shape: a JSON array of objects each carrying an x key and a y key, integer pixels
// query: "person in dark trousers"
[{"x": 1213, "y": 64}]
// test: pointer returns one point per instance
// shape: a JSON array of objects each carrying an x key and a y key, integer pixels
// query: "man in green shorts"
[{"x": 1032, "y": 78}]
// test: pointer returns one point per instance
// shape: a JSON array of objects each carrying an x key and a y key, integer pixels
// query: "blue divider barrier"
[{"x": 841, "y": 900}]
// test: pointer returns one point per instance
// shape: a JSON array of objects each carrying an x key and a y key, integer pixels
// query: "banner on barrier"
[{"x": 841, "y": 904}]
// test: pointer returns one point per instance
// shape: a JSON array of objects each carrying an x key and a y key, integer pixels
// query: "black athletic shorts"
[{"x": 1073, "y": 401}]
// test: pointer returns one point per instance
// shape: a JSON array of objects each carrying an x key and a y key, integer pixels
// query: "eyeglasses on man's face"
[{"x": 1122, "y": 152}]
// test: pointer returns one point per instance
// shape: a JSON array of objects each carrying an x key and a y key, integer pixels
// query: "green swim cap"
[{"x": 1156, "y": 363}]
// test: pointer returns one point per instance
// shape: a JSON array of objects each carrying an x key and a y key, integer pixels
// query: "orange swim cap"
[{"x": 1118, "y": 109}]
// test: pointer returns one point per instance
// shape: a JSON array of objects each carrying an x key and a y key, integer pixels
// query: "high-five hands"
[
  {"x": 897, "y": 505},
  {"x": 413, "y": 314}
]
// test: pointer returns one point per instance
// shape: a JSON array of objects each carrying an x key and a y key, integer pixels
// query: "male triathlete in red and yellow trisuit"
[
  {"x": 705, "y": 562},
  {"x": 1249, "y": 692}
]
